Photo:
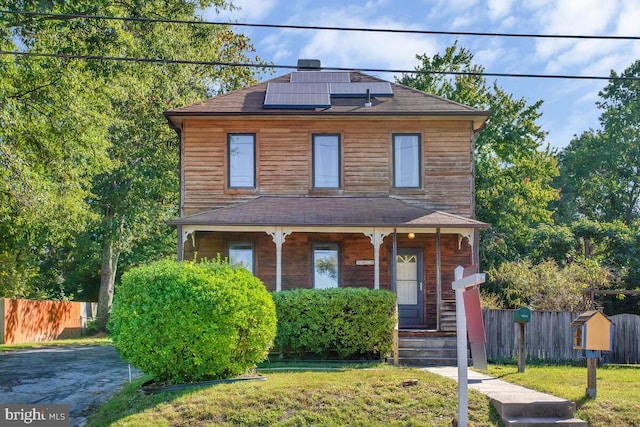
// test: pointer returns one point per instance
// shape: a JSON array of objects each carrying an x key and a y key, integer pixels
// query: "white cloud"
[
  {"x": 629, "y": 18},
  {"x": 356, "y": 49},
  {"x": 498, "y": 9},
  {"x": 577, "y": 16}
]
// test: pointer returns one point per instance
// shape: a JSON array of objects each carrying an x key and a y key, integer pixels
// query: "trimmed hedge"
[
  {"x": 349, "y": 322},
  {"x": 184, "y": 321}
]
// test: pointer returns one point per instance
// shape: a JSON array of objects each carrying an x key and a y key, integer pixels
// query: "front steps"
[
  {"x": 426, "y": 349},
  {"x": 534, "y": 412}
]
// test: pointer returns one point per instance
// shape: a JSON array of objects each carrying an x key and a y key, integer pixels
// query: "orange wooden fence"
[{"x": 32, "y": 321}]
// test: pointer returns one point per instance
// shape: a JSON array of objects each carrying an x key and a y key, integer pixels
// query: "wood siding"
[
  {"x": 284, "y": 161},
  {"x": 297, "y": 251}
]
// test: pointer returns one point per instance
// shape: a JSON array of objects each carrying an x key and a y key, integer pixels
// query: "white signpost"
[{"x": 459, "y": 285}]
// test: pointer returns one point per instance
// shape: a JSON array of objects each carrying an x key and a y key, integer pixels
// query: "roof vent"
[{"x": 308, "y": 64}]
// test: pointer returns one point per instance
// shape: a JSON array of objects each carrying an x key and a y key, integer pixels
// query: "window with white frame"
[
  {"x": 406, "y": 160},
  {"x": 326, "y": 161},
  {"x": 241, "y": 253},
  {"x": 326, "y": 269},
  {"x": 241, "y": 160}
]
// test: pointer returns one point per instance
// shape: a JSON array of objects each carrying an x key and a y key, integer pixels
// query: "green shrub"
[
  {"x": 183, "y": 321},
  {"x": 350, "y": 322}
]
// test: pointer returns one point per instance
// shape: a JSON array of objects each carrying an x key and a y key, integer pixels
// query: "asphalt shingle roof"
[
  {"x": 405, "y": 101},
  {"x": 327, "y": 211}
]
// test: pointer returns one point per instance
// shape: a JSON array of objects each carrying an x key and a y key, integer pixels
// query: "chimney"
[{"x": 308, "y": 64}]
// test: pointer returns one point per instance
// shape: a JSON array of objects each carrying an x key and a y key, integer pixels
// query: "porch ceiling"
[{"x": 327, "y": 212}]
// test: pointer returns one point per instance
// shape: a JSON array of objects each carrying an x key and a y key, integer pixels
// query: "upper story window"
[
  {"x": 241, "y": 253},
  {"x": 242, "y": 160},
  {"x": 406, "y": 160},
  {"x": 326, "y": 161},
  {"x": 325, "y": 266}
]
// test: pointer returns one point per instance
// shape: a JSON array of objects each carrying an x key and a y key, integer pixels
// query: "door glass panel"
[
  {"x": 241, "y": 254},
  {"x": 407, "y": 266},
  {"x": 325, "y": 266}
]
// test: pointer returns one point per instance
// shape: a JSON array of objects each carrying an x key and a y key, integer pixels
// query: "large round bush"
[{"x": 184, "y": 321}]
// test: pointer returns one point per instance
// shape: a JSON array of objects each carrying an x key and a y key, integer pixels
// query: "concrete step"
[
  {"x": 541, "y": 409},
  {"x": 431, "y": 361},
  {"x": 543, "y": 422},
  {"x": 427, "y": 352},
  {"x": 424, "y": 343}
]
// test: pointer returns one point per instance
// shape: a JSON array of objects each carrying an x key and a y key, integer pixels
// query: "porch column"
[
  {"x": 278, "y": 236},
  {"x": 376, "y": 240}
]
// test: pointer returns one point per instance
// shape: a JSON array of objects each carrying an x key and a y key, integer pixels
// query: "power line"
[
  {"x": 315, "y": 27},
  {"x": 253, "y": 65}
]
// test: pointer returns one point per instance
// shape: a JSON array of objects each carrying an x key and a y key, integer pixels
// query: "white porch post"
[
  {"x": 376, "y": 240},
  {"x": 185, "y": 232},
  {"x": 278, "y": 236}
]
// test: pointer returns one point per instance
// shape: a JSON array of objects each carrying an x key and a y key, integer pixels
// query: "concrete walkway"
[{"x": 518, "y": 405}]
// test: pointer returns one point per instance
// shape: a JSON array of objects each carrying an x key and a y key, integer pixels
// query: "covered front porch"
[{"x": 307, "y": 242}]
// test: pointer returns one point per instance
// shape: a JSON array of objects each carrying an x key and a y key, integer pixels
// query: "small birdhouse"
[{"x": 593, "y": 331}]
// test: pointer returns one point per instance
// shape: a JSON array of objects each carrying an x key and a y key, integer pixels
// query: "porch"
[{"x": 378, "y": 243}]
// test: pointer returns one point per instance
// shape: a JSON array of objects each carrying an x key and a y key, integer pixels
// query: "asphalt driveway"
[{"x": 82, "y": 377}]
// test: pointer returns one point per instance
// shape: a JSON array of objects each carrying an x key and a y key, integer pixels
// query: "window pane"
[
  {"x": 406, "y": 160},
  {"x": 325, "y": 266},
  {"x": 241, "y": 161},
  {"x": 241, "y": 254},
  {"x": 326, "y": 161}
]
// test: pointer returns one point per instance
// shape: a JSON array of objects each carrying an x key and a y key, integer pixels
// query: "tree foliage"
[
  {"x": 514, "y": 172},
  {"x": 600, "y": 169},
  {"x": 97, "y": 133},
  {"x": 547, "y": 286}
]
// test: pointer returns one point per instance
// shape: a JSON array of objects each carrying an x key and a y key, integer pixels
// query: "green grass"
[
  {"x": 354, "y": 397},
  {"x": 57, "y": 343},
  {"x": 618, "y": 390}
]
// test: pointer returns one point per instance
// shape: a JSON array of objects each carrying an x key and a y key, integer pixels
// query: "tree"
[
  {"x": 53, "y": 139},
  {"x": 514, "y": 173},
  {"x": 140, "y": 189},
  {"x": 546, "y": 286},
  {"x": 600, "y": 169}
]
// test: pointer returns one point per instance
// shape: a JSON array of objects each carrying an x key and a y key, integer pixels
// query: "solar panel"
[
  {"x": 297, "y": 95},
  {"x": 320, "y": 77},
  {"x": 359, "y": 89}
]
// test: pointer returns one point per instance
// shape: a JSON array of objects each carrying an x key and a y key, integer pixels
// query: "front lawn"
[
  {"x": 617, "y": 402},
  {"x": 58, "y": 343},
  {"x": 351, "y": 397}
]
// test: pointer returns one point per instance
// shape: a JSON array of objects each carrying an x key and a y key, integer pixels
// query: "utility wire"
[
  {"x": 314, "y": 27},
  {"x": 252, "y": 65}
]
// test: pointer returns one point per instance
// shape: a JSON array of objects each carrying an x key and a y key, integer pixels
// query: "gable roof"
[
  {"x": 328, "y": 211},
  {"x": 586, "y": 316},
  {"x": 405, "y": 101}
]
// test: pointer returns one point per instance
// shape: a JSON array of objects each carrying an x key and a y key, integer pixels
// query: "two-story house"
[{"x": 319, "y": 179}]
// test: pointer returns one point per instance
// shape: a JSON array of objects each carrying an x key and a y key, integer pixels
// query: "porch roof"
[{"x": 326, "y": 212}]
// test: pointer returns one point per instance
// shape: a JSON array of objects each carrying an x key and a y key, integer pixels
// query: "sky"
[{"x": 569, "y": 106}]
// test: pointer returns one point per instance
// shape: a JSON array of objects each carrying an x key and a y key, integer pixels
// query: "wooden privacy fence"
[
  {"x": 25, "y": 321},
  {"x": 549, "y": 337}
]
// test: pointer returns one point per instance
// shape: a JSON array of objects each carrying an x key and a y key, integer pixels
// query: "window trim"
[
  {"x": 251, "y": 246},
  {"x": 229, "y": 136},
  {"x": 419, "y": 160},
  {"x": 313, "y": 161},
  {"x": 327, "y": 245}
]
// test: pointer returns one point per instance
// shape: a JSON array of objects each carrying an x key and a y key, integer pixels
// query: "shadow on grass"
[
  {"x": 130, "y": 401},
  {"x": 316, "y": 365}
]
